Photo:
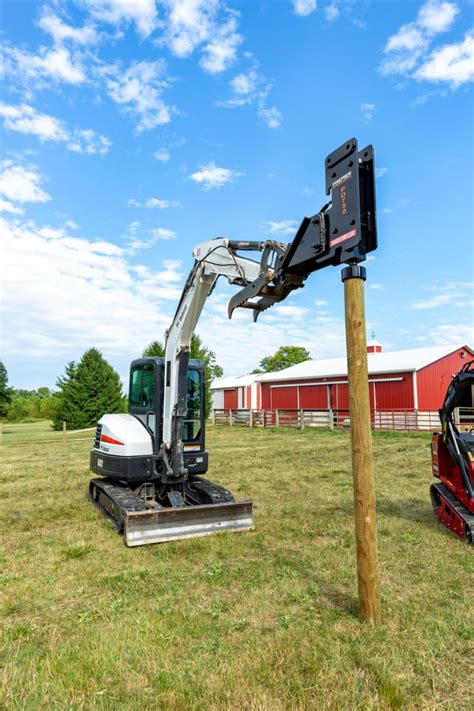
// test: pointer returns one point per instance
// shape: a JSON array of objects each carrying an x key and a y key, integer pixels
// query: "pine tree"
[
  {"x": 154, "y": 349},
  {"x": 88, "y": 390}
]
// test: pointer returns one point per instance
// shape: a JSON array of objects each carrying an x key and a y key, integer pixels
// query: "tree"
[
  {"x": 154, "y": 349},
  {"x": 283, "y": 358},
  {"x": 87, "y": 391},
  {"x": 199, "y": 351},
  {"x": 5, "y": 391}
]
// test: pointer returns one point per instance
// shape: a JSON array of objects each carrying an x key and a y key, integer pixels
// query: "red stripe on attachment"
[
  {"x": 110, "y": 440},
  {"x": 342, "y": 238}
]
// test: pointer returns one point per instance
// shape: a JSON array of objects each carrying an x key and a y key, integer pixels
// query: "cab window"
[
  {"x": 142, "y": 386},
  {"x": 192, "y": 423}
]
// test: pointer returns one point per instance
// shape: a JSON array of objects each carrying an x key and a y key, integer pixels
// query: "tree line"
[{"x": 90, "y": 388}]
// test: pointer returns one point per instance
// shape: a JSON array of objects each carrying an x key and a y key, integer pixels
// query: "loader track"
[{"x": 451, "y": 513}]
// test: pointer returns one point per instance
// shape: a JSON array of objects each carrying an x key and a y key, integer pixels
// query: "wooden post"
[
  {"x": 331, "y": 419},
  {"x": 230, "y": 418},
  {"x": 277, "y": 418},
  {"x": 250, "y": 417},
  {"x": 213, "y": 417},
  {"x": 353, "y": 277},
  {"x": 302, "y": 419}
]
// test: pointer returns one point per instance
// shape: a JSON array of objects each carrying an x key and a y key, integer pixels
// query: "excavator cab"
[{"x": 145, "y": 402}]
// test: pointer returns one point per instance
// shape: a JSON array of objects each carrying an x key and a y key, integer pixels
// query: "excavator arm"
[{"x": 343, "y": 231}]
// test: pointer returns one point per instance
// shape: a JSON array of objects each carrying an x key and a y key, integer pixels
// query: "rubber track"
[
  {"x": 114, "y": 501},
  {"x": 461, "y": 510},
  {"x": 216, "y": 493}
]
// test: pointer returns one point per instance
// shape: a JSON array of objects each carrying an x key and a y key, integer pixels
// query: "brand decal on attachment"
[
  {"x": 342, "y": 179},
  {"x": 342, "y": 238}
]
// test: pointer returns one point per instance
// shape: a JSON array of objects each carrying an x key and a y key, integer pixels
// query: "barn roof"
[
  {"x": 234, "y": 381},
  {"x": 394, "y": 362}
]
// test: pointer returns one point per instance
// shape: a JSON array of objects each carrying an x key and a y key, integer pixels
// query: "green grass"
[{"x": 259, "y": 620}]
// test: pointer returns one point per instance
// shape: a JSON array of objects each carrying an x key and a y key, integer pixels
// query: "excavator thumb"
[{"x": 171, "y": 524}]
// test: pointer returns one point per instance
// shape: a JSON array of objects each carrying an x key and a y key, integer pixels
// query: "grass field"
[{"x": 259, "y": 620}]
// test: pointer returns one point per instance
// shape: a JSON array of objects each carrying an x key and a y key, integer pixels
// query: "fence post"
[
  {"x": 264, "y": 422},
  {"x": 213, "y": 417},
  {"x": 302, "y": 419},
  {"x": 331, "y": 419},
  {"x": 230, "y": 418},
  {"x": 250, "y": 417},
  {"x": 277, "y": 418}
]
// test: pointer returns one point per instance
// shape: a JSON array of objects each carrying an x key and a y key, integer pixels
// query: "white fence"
[{"x": 404, "y": 420}]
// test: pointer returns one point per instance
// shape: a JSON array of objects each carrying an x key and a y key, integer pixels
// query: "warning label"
[
  {"x": 342, "y": 179},
  {"x": 342, "y": 238}
]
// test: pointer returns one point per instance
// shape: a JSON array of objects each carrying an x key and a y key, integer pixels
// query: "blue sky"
[{"x": 132, "y": 131}]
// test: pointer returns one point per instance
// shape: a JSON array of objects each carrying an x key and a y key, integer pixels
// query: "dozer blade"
[{"x": 171, "y": 524}]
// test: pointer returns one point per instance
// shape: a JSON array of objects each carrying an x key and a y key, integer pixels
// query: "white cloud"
[
  {"x": 380, "y": 171},
  {"x": 211, "y": 176},
  {"x": 6, "y": 206},
  {"x": 451, "y": 63},
  {"x": 284, "y": 227},
  {"x": 20, "y": 184},
  {"x": 460, "y": 293},
  {"x": 47, "y": 267},
  {"x": 453, "y": 332},
  {"x": 60, "y": 32},
  {"x": 436, "y": 16},
  {"x": 142, "y": 13},
  {"x": 153, "y": 202},
  {"x": 204, "y": 24},
  {"x": 406, "y": 50},
  {"x": 271, "y": 116},
  {"x": 332, "y": 12},
  {"x": 58, "y": 64},
  {"x": 163, "y": 155},
  {"x": 163, "y": 233},
  {"x": 367, "y": 111},
  {"x": 252, "y": 88},
  {"x": 304, "y": 7},
  {"x": 321, "y": 302},
  {"x": 88, "y": 141},
  {"x": 25, "y": 119},
  {"x": 139, "y": 90}
]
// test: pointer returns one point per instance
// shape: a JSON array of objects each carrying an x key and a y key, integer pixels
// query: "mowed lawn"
[{"x": 258, "y": 620}]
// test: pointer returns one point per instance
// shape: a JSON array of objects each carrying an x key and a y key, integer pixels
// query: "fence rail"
[
  {"x": 403, "y": 420},
  {"x": 40, "y": 432}
]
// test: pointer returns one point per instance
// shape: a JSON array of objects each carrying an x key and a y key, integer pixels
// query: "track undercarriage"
[
  {"x": 451, "y": 512},
  {"x": 152, "y": 513}
]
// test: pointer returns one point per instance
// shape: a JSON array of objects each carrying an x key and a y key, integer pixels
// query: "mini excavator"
[
  {"x": 453, "y": 461},
  {"x": 151, "y": 461}
]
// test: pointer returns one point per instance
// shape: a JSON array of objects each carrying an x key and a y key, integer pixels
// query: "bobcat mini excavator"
[
  {"x": 453, "y": 461},
  {"x": 151, "y": 460}
]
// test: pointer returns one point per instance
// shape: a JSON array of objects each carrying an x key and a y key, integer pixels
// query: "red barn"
[{"x": 412, "y": 380}]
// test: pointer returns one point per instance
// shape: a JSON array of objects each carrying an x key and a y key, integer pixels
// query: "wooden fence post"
[
  {"x": 302, "y": 419},
  {"x": 331, "y": 419},
  {"x": 277, "y": 418},
  {"x": 213, "y": 417},
  {"x": 230, "y": 418},
  {"x": 353, "y": 277},
  {"x": 250, "y": 417}
]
